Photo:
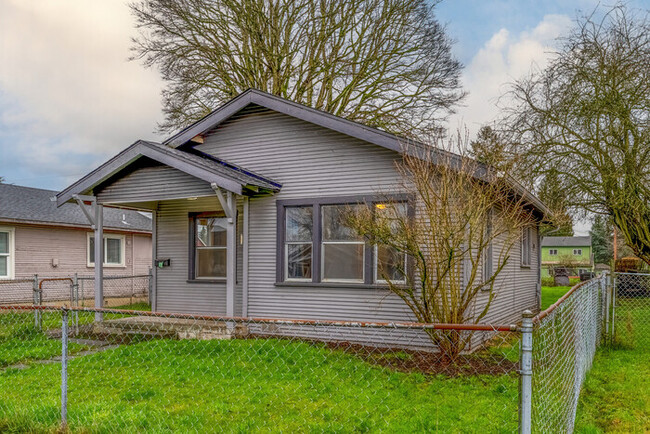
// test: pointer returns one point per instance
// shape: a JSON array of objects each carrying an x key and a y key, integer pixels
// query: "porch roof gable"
[{"x": 228, "y": 176}]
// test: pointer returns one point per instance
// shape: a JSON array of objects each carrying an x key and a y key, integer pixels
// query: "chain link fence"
[
  {"x": 565, "y": 339},
  {"x": 76, "y": 290},
  {"x": 147, "y": 371},
  {"x": 632, "y": 313},
  {"x": 142, "y": 371}
]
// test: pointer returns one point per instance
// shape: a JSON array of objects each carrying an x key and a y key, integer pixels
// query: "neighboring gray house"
[
  {"x": 37, "y": 237},
  {"x": 243, "y": 205}
]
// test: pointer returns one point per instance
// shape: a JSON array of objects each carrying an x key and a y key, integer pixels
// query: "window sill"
[
  {"x": 525, "y": 266},
  {"x": 223, "y": 281},
  {"x": 331, "y": 285}
]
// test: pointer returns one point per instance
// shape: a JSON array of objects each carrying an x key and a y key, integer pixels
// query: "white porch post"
[
  {"x": 96, "y": 220},
  {"x": 231, "y": 259},
  {"x": 230, "y": 209},
  {"x": 244, "y": 307},
  {"x": 99, "y": 260}
]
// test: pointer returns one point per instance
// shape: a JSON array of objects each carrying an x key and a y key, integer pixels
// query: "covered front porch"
[{"x": 200, "y": 212}]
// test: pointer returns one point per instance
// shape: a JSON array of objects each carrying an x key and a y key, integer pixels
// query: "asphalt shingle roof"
[
  {"x": 566, "y": 241},
  {"x": 34, "y": 205}
]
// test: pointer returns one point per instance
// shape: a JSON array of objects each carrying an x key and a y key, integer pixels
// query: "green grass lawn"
[
  {"x": 235, "y": 385},
  {"x": 243, "y": 385},
  {"x": 551, "y": 294},
  {"x": 22, "y": 342},
  {"x": 616, "y": 395}
]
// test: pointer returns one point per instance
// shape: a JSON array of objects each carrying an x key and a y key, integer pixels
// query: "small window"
[
  {"x": 113, "y": 250},
  {"x": 525, "y": 247},
  {"x": 552, "y": 252},
  {"x": 577, "y": 252},
  {"x": 343, "y": 250},
  {"x": 210, "y": 248},
  {"x": 488, "y": 260},
  {"x": 298, "y": 243},
  {"x": 6, "y": 253}
]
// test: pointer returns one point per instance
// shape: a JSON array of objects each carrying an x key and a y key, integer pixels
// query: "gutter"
[{"x": 70, "y": 225}]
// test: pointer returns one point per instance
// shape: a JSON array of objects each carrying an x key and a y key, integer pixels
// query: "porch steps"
[{"x": 170, "y": 328}]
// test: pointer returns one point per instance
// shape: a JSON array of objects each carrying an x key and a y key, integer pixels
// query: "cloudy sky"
[{"x": 69, "y": 98}]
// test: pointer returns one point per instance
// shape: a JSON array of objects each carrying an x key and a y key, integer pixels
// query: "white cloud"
[
  {"x": 502, "y": 59},
  {"x": 66, "y": 76}
]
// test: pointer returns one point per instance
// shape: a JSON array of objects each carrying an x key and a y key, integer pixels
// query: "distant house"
[
  {"x": 36, "y": 237},
  {"x": 245, "y": 205},
  {"x": 574, "y": 253}
]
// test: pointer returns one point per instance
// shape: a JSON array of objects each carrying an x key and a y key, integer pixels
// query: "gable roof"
[
  {"x": 584, "y": 241},
  {"x": 296, "y": 110},
  {"x": 290, "y": 108},
  {"x": 34, "y": 205},
  {"x": 210, "y": 169}
]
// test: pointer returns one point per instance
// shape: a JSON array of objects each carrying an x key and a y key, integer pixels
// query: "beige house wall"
[{"x": 51, "y": 251}]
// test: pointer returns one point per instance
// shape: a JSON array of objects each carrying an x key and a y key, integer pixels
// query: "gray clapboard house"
[{"x": 244, "y": 206}]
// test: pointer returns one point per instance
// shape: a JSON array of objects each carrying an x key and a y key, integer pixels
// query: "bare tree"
[
  {"x": 587, "y": 117},
  {"x": 384, "y": 63},
  {"x": 458, "y": 240}
]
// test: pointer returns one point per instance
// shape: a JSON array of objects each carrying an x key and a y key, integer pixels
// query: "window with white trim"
[
  {"x": 7, "y": 253},
  {"x": 552, "y": 252},
  {"x": 577, "y": 252},
  {"x": 114, "y": 250}
]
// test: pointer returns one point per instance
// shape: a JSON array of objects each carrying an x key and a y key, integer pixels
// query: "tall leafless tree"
[
  {"x": 467, "y": 219},
  {"x": 384, "y": 63},
  {"x": 586, "y": 116}
]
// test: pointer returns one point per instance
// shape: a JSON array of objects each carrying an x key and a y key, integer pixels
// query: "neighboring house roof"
[
  {"x": 34, "y": 205},
  {"x": 229, "y": 181},
  {"x": 566, "y": 241}
]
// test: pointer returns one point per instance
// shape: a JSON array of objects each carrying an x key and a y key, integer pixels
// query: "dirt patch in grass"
[{"x": 425, "y": 362}]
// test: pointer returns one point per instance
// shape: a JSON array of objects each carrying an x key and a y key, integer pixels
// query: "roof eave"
[{"x": 131, "y": 154}]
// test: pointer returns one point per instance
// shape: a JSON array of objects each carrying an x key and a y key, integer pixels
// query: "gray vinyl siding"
[
  {"x": 174, "y": 293},
  {"x": 516, "y": 286},
  {"x": 154, "y": 183},
  {"x": 309, "y": 161}
]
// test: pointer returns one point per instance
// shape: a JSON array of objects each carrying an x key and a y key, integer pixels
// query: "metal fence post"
[
  {"x": 612, "y": 318},
  {"x": 526, "y": 374},
  {"x": 37, "y": 302},
  {"x": 605, "y": 291},
  {"x": 150, "y": 287},
  {"x": 64, "y": 368},
  {"x": 75, "y": 300}
]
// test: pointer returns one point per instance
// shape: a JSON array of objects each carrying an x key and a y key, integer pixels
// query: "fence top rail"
[
  {"x": 543, "y": 314},
  {"x": 629, "y": 273},
  {"x": 278, "y": 321},
  {"x": 114, "y": 277}
]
